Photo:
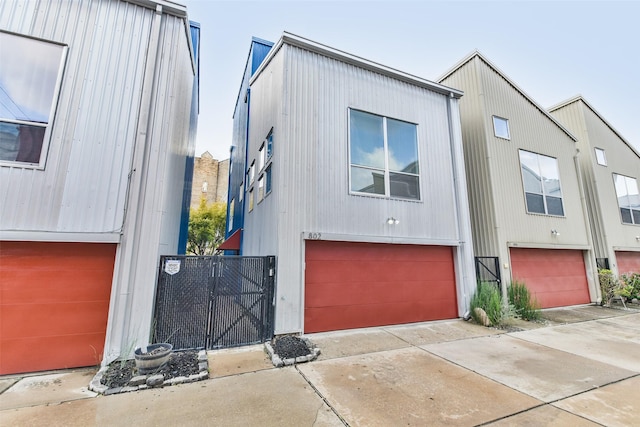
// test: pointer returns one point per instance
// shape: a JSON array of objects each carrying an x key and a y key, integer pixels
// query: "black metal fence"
[
  {"x": 488, "y": 269},
  {"x": 215, "y": 301}
]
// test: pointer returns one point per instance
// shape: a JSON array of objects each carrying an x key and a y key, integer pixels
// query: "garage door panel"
[
  {"x": 55, "y": 295},
  {"x": 362, "y": 316},
  {"x": 628, "y": 262},
  {"x": 358, "y": 271},
  {"x": 45, "y": 320},
  {"x": 341, "y": 294},
  {"x": 354, "y": 285},
  {"x": 340, "y": 251},
  {"x": 62, "y": 352},
  {"x": 556, "y": 277}
]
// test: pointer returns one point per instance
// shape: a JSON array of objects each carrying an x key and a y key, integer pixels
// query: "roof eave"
[
  {"x": 477, "y": 53},
  {"x": 303, "y": 43}
]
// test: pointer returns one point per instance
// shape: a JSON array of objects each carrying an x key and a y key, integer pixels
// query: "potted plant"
[{"x": 152, "y": 358}]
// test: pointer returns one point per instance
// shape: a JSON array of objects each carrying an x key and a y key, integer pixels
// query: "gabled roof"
[
  {"x": 477, "y": 54},
  {"x": 324, "y": 50},
  {"x": 578, "y": 98}
]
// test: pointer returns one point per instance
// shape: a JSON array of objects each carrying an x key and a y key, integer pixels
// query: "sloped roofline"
[
  {"x": 246, "y": 65},
  {"x": 584, "y": 101},
  {"x": 476, "y": 53},
  {"x": 310, "y": 45}
]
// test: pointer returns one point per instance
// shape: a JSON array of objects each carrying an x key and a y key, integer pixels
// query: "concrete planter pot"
[{"x": 156, "y": 356}]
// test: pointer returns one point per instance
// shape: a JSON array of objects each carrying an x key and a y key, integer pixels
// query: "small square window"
[
  {"x": 268, "y": 180},
  {"x": 261, "y": 157},
  {"x": 501, "y": 127},
  {"x": 270, "y": 145},
  {"x": 252, "y": 172},
  {"x": 600, "y": 157}
]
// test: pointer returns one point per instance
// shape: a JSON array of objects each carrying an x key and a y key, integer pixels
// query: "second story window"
[
  {"x": 541, "y": 180},
  {"x": 30, "y": 79},
  {"x": 628, "y": 198},
  {"x": 383, "y": 156}
]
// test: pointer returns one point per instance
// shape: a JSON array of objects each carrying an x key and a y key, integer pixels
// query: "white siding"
[
  {"x": 306, "y": 97},
  {"x": 82, "y": 187}
]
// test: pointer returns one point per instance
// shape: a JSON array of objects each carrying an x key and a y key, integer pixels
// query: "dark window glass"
[
  {"x": 554, "y": 206},
  {"x": 405, "y": 186},
  {"x": 535, "y": 203}
]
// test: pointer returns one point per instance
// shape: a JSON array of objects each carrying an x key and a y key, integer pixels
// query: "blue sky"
[{"x": 553, "y": 50}]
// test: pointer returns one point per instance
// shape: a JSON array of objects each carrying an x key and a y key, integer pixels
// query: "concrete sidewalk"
[{"x": 582, "y": 368}]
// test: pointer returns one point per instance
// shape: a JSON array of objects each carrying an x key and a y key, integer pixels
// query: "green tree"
[{"x": 206, "y": 228}]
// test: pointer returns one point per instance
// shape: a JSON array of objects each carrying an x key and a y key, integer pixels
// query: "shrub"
[
  {"x": 608, "y": 286},
  {"x": 487, "y": 297},
  {"x": 629, "y": 286},
  {"x": 520, "y": 297}
]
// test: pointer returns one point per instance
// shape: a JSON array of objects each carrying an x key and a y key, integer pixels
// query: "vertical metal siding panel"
[
  {"x": 533, "y": 131},
  {"x": 83, "y": 185},
  {"x": 571, "y": 117},
  {"x": 474, "y": 136},
  {"x": 103, "y": 140},
  {"x": 621, "y": 160},
  {"x": 312, "y": 156}
]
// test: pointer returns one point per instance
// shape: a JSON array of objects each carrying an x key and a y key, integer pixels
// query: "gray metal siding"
[
  {"x": 474, "y": 136},
  {"x": 592, "y": 132},
  {"x": 533, "y": 131},
  {"x": 310, "y": 181},
  {"x": 83, "y": 185}
]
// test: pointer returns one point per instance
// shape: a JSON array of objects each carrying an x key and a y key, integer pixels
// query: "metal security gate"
[
  {"x": 488, "y": 269},
  {"x": 214, "y": 301}
]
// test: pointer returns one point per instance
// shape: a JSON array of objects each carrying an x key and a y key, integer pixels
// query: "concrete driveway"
[{"x": 580, "y": 369}]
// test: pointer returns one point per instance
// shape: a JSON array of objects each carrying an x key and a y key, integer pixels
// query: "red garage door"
[
  {"x": 355, "y": 285},
  {"x": 628, "y": 262},
  {"x": 54, "y": 304},
  {"x": 557, "y": 277}
]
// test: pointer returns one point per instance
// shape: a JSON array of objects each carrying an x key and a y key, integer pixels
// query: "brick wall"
[{"x": 210, "y": 179}]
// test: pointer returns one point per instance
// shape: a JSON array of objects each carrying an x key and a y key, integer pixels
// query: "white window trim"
[
  {"x": 46, "y": 140},
  {"x": 495, "y": 131},
  {"x": 618, "y": 201},
  {"x": 387, "y": 181}
]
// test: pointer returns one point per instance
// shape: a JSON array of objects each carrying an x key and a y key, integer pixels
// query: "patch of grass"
[
  {"x": 487, "y": 297},
  {"x": 525, "y": 306}
]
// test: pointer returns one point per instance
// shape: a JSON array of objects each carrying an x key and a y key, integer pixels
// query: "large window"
[
  {"x": 30, "y": 77},
  {"x": 541, "y": 183},
  {"x": 628, "y": 198},
  {"x": 384, "y": 156}
]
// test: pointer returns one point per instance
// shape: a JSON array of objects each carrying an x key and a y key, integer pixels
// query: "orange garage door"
[
  {"x": 355, "y": 285},
  {"x": 628, "y": 262},
  {"x": 54, "y": 304},
  {"x": 557, "y": 277}
]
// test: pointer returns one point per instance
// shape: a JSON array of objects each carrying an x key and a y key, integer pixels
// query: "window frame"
[
  {"x": 629, "y": 208},
  {"x": 251, "y": 201},
  {"x": 495, "y": 130},
  {"x": 231, "y": 213},
  {"x": 544, "y": 193},
  {"x": 55, "y": 99},
  {"x": 261, "y": 157},
  {"x": 604, "y": 156},
  {"x": 387, "y": 171}
]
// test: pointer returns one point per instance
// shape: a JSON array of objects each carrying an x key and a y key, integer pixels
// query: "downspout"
[
  {"x": 465, "y": 273},
  {"x": 120, "y": 304},
  {"x": 592, "y": 277}
]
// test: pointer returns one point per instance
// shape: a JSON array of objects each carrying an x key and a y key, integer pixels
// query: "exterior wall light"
[
  {"x": 555, "y": 232},
  {"x": 392, "y": 221}
]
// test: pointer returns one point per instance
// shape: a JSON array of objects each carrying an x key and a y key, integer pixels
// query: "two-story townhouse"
[
  {"x": 354, "y": 179},
  {"x": 98, "y": 112},
  {"x": 526, "y": 198},
  {"x": 610, "y": 173}
]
